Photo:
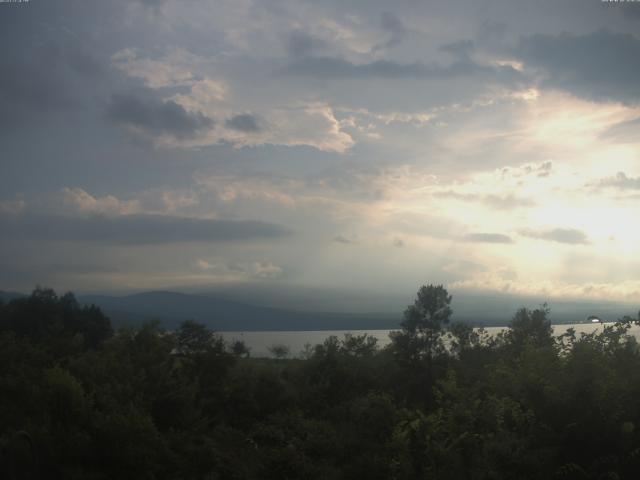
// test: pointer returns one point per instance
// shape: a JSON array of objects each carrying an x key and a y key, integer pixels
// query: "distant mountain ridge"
[
  {"x": 8, "y": 296},
  {"x": 171, "y": 308},
  {"x": 232, "y": 313}
]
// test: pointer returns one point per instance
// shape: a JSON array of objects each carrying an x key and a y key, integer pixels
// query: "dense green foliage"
[{"x": 78, "y": 401}]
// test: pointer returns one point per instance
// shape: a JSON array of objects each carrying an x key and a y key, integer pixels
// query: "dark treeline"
[{"x": 79, "y": 401}]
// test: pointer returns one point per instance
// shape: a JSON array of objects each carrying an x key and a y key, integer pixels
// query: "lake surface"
[{"x": 259, "y": 342}]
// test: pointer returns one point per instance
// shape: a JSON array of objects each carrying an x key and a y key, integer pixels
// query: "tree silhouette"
[
  {"x": 422, "y": 327},
  {"x": 279, "y": 351},
  {"x": 531, "y": 327}
]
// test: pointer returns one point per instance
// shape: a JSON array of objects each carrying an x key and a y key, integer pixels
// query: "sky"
[{"x": 490, "y": 146}]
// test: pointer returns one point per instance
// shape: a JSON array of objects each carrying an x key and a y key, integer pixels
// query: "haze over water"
[{"x": 259, "y": 342}]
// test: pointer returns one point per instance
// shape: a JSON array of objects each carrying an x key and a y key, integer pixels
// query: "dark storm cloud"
[
  {"x": 461, "y": 49},
  {"x": 392, "y": 23},
  {"x": 51, "y": 60},
  {"x": 491, "y": 32},
  {"x": 487, "y": 238},
  {"x": 560, "y": 235},
  {"x": 244, "y": 122},
  {"x": 134, "y": 229},
  {"x": 333, "y": 67},
  {"x": 154, "y": 115},
  {"x": 45, "y": 79},
  {"x": 598, "y": 66},
  {"x": 301, "y": 44},
  {"x": 25, "y": 84},
  {"x": 85, "y": 63},
  {"x": 396, "y": 29}
]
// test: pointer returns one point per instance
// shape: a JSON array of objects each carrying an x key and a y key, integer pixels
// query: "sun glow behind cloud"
[{"x": 529, "y": 219}]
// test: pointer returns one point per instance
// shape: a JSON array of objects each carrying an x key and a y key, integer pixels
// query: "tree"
[
  {"x": 531, "y": 327},
  {"x": 359, "y": 345},
  {"x": 44, "y": 316},
  {"x": 421, "y": 340},
  {"x": 279, "y": 351},
  {"x": 422, "y": 327},
  {"x": 194, "y": 338},
  {"x": 240, "y": 349}
]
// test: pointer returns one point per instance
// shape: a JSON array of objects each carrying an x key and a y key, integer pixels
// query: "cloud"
[
  {"x": 423, "y": 225},
  {"x": 82, "y": 201},
  {"x": 507, "y": 202},
  {"x": 171, "y": 70},
  {"x": 138, "y": 229},
  {"x": 301, "y": 44},
  {"x": 345, "y": 240},
  {"x": 76, "y": 201},
  {"x": 461, "y": 49},
  {"x": 600, "y": 66},
  {"x": 45, "y": 77},
  {"x": 620, "y": 181},
  {"x": 260, "y": 269},
  {"x": 487, "y": 238},
  {"x": 561, "y": 235},
  {"x": 498, "y": 202},
  {"x": 544, "y": 169},
  {"x": 333, "y": 67},
  {"x": 12, "y": 207},
  {"x": 464, "y": 268},
  {"x": 623, "y": 132},
  {"x": 312, "y": 124},
  {"x": 393, "y": 25},
  {"x": 244, "y": 122},
  {"x": 491, "y": 32},
  {"x": 186, "y": 118},
  {"x": 387, "y": 111},
  {"x": 153, "y": 115},
  {"x": 152, "y": 3}
]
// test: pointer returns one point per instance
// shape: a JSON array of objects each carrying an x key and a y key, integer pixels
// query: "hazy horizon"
[{"x": 256, "y": 306}]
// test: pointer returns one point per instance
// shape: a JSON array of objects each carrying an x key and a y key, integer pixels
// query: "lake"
[{"x": 259, "y": 342}]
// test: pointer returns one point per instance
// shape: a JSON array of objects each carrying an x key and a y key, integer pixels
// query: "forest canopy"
[{"x": 79, "y": 400}]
